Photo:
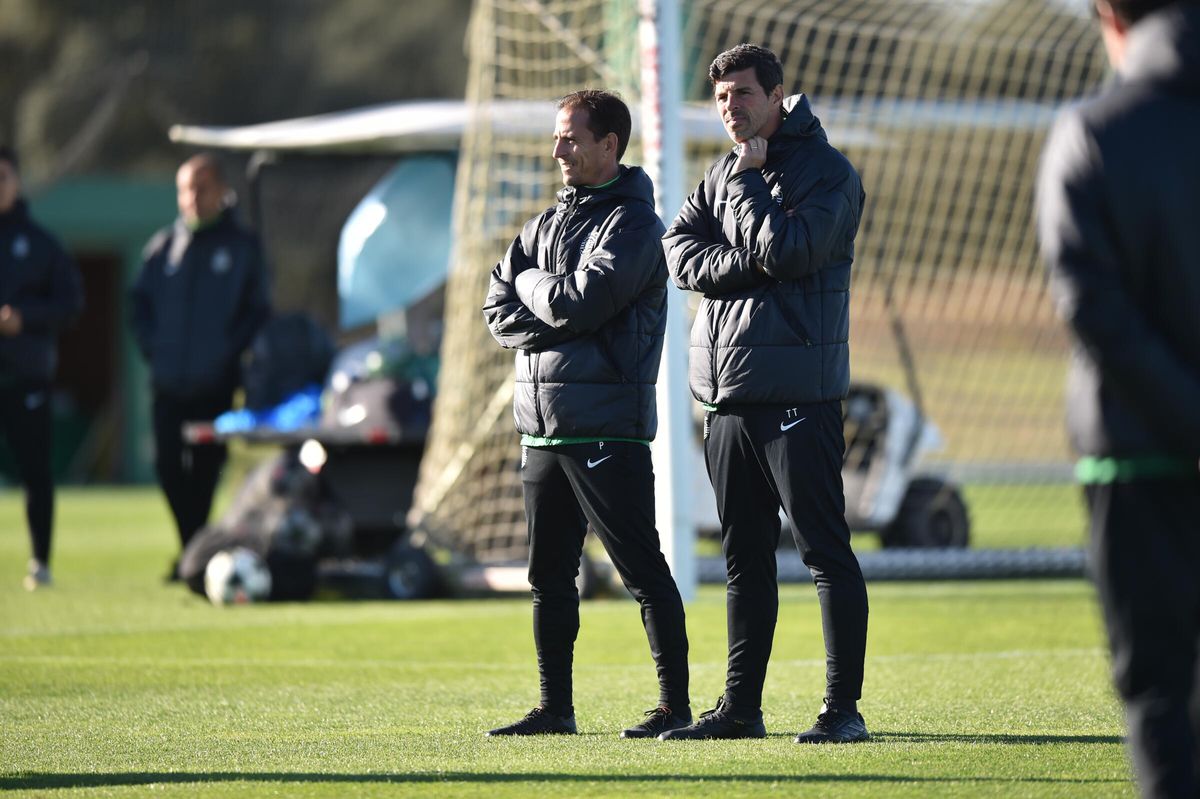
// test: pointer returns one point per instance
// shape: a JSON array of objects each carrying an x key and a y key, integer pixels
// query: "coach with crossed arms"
[
  {"x": 581, "y": 296},
  {"x": 768, "y": 239}
]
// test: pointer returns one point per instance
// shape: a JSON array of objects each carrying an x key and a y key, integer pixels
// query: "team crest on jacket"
[
  {"x": 589, "y": 243},
  {"x": 20, "y": 247},
  {"x": 222, "y": 261}
]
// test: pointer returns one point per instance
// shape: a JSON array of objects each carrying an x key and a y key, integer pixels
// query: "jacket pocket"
[
  {"x": 790, "y": 317},
  {"x": 610, "y": 359}
]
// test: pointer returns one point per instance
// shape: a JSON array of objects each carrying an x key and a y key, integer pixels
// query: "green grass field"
[{"x": 112, "y": 684}]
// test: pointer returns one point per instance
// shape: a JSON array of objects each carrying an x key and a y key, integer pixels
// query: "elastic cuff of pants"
[
  {"x": 743, "y": 711},
  {"x": 847, "y": 705}
]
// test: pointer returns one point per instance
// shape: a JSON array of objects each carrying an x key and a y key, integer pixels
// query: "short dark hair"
[
  {"x": 766, "y": 65},
  {"x": 10, "y": 155},
  {"x": 1130, "y": 11},
  {"x": 607, "y": 113}
]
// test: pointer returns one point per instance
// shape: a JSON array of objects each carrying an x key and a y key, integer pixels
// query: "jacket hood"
[
  {"x": 632, "y": 183},
  {"x": 799, "y": 121},
  {"x": 1165, "y": 47}
]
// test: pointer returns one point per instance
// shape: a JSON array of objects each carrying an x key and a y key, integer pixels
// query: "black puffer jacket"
[
  {"x": 1119, "y": 222},
  {"x": 39, "y": 280},
  {"x": 199, "y": 300},
  {"x": 581, "y": 295},
  {"x": 783, "y": 336}
]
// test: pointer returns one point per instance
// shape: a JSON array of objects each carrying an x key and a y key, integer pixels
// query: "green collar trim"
[
  {"x": 605, "y": 185},
  {"x": 1104, "y": 471},
  {"x": 535, "y": 441}
]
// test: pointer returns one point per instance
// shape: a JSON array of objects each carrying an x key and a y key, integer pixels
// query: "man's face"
[
  {"x": 583, "y": 159},
  {"x": 10, "y": 186},
  {"x": 200, "y": 194},
  {"x": 746, "y": 110}
]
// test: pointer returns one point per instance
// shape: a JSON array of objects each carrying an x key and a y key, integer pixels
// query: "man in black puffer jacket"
[
  {"x": 1119, "y": 222},
  {"x": 200, "y": 298},
  {"x": 40, "y": 293},
  {"x": 768, "y": 239},
  {"x": 581, "y": 295}
]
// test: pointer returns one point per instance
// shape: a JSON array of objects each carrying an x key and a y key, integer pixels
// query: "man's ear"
[
  {"x": 777, "y": 95},
  {"x": 1110, "y": 17},
  {"x": 1113, "y": 30}
]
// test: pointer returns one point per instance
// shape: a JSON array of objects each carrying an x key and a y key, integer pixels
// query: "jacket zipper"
[
  {"x": 537, "y": 399},
  {"x": 192, "y": 269},
  {"x": 712, "y": 361},
  {"x": 554, "y": 248}
]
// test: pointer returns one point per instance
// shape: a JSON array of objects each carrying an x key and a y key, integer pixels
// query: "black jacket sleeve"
[
  {"x": 701, "y": 260},
  {"x": 511, "y": 323},
  {"x": 52, "y": 312},
  {"x": 254, "y": 304},
  {"x": 625, "y": 259},
  {"x": 793, "y": 243},
  {"x": 141, "y": 295},
  {"x": 1085, "y": 273}
]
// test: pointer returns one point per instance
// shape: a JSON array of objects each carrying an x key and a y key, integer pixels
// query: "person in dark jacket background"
[
  {"x": 768, "y": 238},
  {"x": 40, "y": 293},
  {"x": 199, "y": 300},
  {"x": 581, "y": 296},
  {"x": 1119, "y": 224}
]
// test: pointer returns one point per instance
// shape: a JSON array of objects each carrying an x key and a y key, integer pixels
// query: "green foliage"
[
  {"x": 96, "y": 84},
  {"x": 115, "y": 685}
]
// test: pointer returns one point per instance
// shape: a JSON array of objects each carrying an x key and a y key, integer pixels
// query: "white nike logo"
[
  {"x": 593, "y": 464},
  {"x": 783, "y": 428}
]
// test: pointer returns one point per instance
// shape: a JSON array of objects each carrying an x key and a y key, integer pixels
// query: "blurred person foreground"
[{"x": 1118, "y": 204}]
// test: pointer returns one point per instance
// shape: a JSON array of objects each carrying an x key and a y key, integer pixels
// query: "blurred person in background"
[
  {"x": 1119, "y": 224},
  {"x": 581, "y": 295},
  {"x": 40, "y": 293},
  {"x": 199, "y": 300},
  {"x": 768, "y": 240}
]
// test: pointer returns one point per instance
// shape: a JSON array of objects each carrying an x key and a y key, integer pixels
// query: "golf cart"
[{"x": 383, "y": 179}]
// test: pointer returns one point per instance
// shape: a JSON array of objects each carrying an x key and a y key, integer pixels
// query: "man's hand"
[
  {"x": 752, "y": 154},
  {"x": 10, "y": 321}
]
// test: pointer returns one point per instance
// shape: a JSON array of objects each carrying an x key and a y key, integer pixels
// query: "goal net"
[{"x": 942, "y": 105}]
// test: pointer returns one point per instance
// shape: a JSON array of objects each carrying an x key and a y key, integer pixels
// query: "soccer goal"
[{"x": 942, "y": 105}]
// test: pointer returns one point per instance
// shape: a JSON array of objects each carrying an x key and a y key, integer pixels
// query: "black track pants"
[
  {"x": 761, "y": 458},
  {"x": 611, "y": 487},
  {"x": 1145, "y": 548},
  {"x": 26, "y": 423},
  {"x": 188, "y": 473}
]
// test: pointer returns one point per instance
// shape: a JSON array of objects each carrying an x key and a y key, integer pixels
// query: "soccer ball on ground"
[{"x": 237, "y": 576}]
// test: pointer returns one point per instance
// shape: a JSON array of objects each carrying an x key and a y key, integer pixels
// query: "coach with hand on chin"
[{"x": 768, "y": 239}]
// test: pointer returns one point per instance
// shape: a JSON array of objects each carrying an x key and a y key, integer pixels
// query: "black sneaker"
[
  {"x": 720, "y": 722},
  {"x": 538, "y": 721},
  {"x": 658, "y": 721},
  {"x": 835, "y": 727}
]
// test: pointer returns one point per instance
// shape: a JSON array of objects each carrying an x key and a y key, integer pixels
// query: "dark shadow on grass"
[
  {"x": 991, "y": 738},
  {"x": 48, "y": 781}
]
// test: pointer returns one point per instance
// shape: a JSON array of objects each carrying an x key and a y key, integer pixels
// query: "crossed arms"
[{"x": 530, "y": 308}]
